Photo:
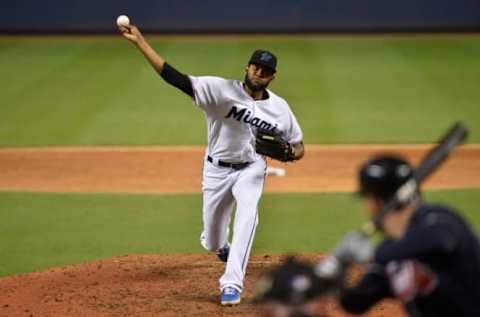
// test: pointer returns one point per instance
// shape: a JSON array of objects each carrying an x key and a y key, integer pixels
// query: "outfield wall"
[{"x": 241, "y": 16}]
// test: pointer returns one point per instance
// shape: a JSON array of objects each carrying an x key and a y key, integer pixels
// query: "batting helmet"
[{"x": 383, "y": 175}]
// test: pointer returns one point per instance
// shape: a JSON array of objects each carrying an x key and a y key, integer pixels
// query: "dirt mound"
[{"x": 146, "y": 285}]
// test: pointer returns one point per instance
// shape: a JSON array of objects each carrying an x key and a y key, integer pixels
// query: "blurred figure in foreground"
[{"x": 429, "y": 258}]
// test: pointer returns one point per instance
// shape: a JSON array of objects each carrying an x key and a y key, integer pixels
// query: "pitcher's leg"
[
  {"x": 216, "y": 217},
  {"x": 247, "y": 191},
  {"x": 218, "y": 205}
]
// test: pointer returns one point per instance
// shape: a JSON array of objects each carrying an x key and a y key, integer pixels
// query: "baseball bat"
[{"x": 432, "y": 160}]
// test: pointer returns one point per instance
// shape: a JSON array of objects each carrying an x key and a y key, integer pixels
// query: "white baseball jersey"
[{"x": 232, "y": 116}]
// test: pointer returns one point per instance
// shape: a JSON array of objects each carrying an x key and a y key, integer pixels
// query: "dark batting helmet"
[{"x": 383, "y": 175}]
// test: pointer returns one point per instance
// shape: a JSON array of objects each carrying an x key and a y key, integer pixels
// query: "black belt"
[{"x": 235, "y": 166}]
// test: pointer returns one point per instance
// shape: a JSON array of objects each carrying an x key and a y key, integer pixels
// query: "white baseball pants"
[{"x": 223, "y": 188}]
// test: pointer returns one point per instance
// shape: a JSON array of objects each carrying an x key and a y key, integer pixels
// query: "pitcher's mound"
[{"x": 140, "y": 285}]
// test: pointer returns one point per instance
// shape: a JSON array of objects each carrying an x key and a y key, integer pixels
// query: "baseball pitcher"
[{"x": 246, "y": 122}]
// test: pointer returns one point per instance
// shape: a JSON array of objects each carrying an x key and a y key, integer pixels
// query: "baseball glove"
[{"x": 272, "y": 144}]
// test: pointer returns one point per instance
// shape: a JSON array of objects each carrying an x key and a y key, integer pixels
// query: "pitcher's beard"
[{"x": 252, "y": 86}]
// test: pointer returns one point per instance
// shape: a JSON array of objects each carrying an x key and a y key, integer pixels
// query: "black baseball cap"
[{"x": 264, "y": 58}]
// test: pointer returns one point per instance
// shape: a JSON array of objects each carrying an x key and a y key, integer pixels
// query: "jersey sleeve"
[
  {"x": 293, "y": 133},
  {"x": 434, "y": 235},
  {"x": 373, "y": 287},
  {"x": 207, "y": 90}
]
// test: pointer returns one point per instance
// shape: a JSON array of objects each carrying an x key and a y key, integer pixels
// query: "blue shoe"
[
  {"x": 230, "y": 296},
  {"x": 223, "y": 253}
]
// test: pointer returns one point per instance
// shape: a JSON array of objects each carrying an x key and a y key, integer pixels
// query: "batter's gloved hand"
[
  {"x": 272, "y": 144},
  {"x": 354, "y": 248}
]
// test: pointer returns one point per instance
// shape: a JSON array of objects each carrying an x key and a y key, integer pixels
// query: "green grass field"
[
  {"x": 47, "y": 230},
  {"x": 99, "y": 91}
]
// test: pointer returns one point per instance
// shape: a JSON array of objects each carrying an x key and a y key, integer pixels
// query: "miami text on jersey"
[{"x": 244, "y": 115}]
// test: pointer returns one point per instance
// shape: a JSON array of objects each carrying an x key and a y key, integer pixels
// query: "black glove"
[{"x": 273, "y": 145}]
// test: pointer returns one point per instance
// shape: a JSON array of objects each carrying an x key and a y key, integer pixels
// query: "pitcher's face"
[{"x": 258, "y": 77}]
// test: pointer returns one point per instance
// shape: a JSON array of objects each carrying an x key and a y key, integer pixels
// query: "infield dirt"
[{"x": 325, "y": 168}]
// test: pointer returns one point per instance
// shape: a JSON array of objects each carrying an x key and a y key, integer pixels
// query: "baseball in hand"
[{"x": 123, "y": 20}]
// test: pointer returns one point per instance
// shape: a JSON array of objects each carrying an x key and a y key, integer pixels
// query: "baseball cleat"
[
  {"x": 230, "y": 296},
  {"x": 223, "y": 253}
]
